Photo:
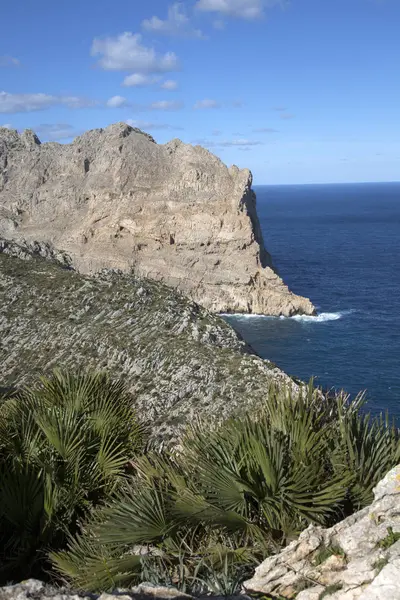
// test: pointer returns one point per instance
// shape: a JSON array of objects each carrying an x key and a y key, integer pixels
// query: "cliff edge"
[{"x": 114, "y": 198}]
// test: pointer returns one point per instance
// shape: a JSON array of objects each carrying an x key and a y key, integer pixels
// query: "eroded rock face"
[
  {"x": 174, "y": 212},
  {"x": 361, "y": 556}
]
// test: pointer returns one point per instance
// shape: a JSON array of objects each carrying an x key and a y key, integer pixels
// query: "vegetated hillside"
[{"x": 178, "y": 360}]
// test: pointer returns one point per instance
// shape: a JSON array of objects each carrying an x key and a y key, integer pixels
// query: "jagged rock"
[
  {"x": 357, "y": 565},
  {"x": 32, "y": 589},
  {"x": 37, "y": 590},
  {"x": 179, "y": 361},
  {"x": 28, "y": 250},
  {"x": 174, "y": 212}
]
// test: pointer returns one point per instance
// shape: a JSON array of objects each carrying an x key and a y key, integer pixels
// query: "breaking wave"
[{"x": 321, "y": 318}]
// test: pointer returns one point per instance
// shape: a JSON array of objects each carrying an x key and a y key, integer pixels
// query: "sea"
[{"x": 339, "y": 245}]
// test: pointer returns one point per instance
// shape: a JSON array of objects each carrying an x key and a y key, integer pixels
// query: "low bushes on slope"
[
  {"x": 64, "y": 447},
  {"x": 199, "y": 516}
]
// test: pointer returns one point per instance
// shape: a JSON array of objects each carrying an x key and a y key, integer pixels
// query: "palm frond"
[{"x": 64, "y": 448}]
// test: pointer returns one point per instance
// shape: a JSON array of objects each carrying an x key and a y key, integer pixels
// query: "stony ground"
[
  {"x": 357, "y": 559},
  {"x": 33, "y": 589},
  {"x": 179, "y": 360}
]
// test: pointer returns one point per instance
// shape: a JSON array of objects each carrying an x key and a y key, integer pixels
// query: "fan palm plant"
[
  {"x": 366, "y": 447},
  {"x": 64, "y": 447},
  {"x": 237, "y": 492}
]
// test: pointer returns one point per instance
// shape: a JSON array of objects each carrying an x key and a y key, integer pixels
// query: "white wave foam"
[{"x": 321, "y": 318}]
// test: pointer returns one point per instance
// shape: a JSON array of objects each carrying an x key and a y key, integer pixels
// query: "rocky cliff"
[
  {"x": 357, "y": 559},
  {"x": 178, "y": 360},
  {"x": 174, "y": 213}
]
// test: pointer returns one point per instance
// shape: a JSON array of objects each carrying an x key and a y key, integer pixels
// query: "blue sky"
[{"x": 299, "y": 91}]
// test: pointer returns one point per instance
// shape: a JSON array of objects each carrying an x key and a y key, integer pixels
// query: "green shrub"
[
  {"x": 380, "y": 563},
  {"x": 324, "y": 553},
  {"x": 391, "y": 538},
  {"x": 64, "y": 449},
  {"x": 239, "y": 492}
]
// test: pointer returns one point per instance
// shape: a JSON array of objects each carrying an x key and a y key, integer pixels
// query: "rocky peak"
[
  {"x": 121, "y": 130},
  {"x": 31, "y": 250},
  {"x": 29, "y": 139},
  {"x": 174, "y": 212}
]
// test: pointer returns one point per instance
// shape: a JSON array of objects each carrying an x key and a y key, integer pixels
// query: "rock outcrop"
[
  {"x": 32, "y": 589},
  {"x": 174, "y": 212},
  {"x": 358, "y": 559},
  {"x": 178, "y": 360}
]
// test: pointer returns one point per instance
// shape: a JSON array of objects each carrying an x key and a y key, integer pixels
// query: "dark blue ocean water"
[{"x": 340, "y": 246}]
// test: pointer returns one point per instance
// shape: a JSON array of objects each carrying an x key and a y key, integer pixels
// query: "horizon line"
[{"x": 327, "y": 183}]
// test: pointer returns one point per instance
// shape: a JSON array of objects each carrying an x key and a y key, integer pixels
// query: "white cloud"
[
  {"x": 216, "y": 132},
  {"x": 244, "y": 9},
  {"x": 286, "y": 116},
  {"x": 75, "y": 101},
  {"x": 126, "y": 52},
  {"x": 166, "y": 105},
  {"x": 148, "y": 125},
  {"x": 9, "y": 61},
  {"x": 170, "y": 84},
  {"x": 116, "y": 102},
  {"x": 56, "y": 131},
  {"x": 7, "y": 126},
  {"x": 206, "y": 103},
  {"x": 139, "y": 80},
  {"x": 15, "y": 103},
  {"x": 204, "y": 142},
  {"x": 177, "y": 23},
  {"x": 239, "y": 143},
  {"x": 265, "y": 130}
]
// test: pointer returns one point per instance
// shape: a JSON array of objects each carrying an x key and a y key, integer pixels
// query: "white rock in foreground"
[
  {"x": 32, "y": 589},
  {"x": 365, "y": 572},
  {"x": 174, "y": 212}
]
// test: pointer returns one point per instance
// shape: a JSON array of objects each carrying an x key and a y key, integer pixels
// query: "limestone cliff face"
[{"x": 174, "y": 212}]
